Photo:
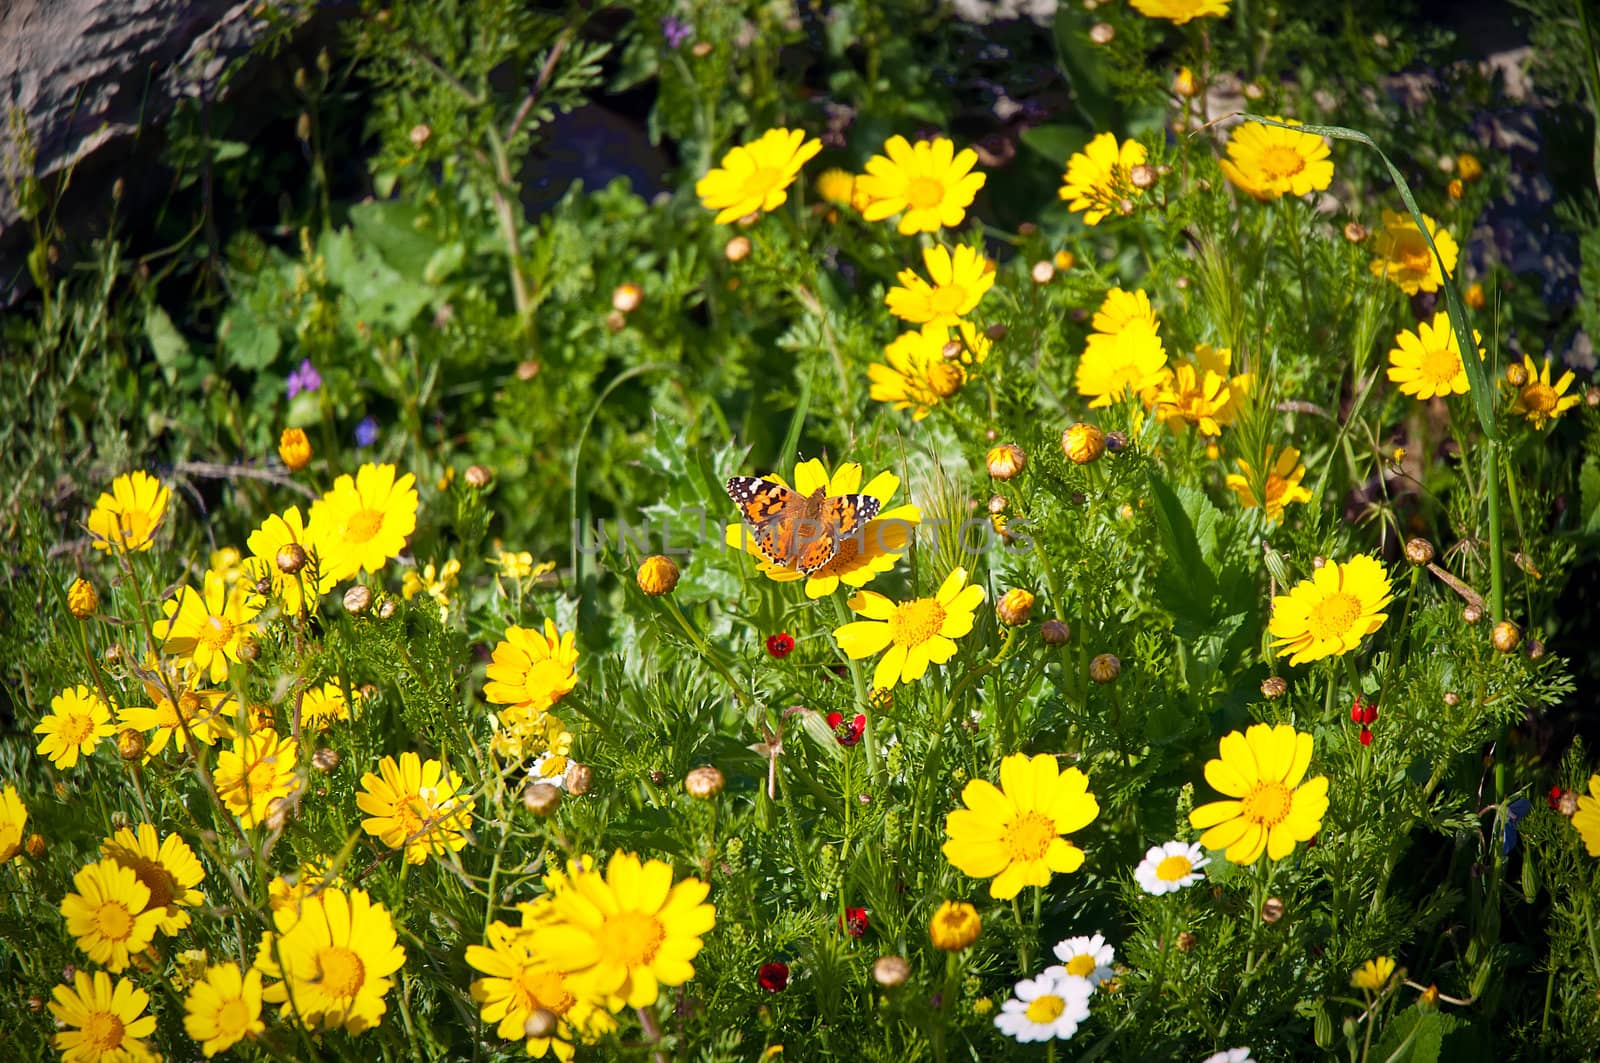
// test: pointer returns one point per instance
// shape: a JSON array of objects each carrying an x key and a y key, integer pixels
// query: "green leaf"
[
  {"x": 1084, "y": 66},
  {"x": 248, "y": 341},
  {"x": 171, "y": 349},
  {"x": 391, "y": 228},
  {"x": 1589, "y": 494},
  {"x": 1185, "y": 583},
  {"x": 1413, "y": 1036},
  {"x": 375, "y": 293},
  {"x": 1058, "y": 143}
]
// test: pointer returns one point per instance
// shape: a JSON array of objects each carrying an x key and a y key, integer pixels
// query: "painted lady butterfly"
[{"x": 800, "y": 531}]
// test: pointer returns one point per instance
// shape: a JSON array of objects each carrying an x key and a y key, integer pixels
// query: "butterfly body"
[{"x": 802, "y": 532}]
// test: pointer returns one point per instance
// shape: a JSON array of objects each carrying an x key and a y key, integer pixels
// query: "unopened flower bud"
[
  {"x": 35, "y": 846},
  {"x": 1567, "y": 804},
  {"x": 36, "y": 1003},
  {"x": 1591, "y": 398},
  {"x": 616, "y": 321},
  {"x": 657, "y": 575},
  {"x": 1506, "y": 636},
  {"x": 951, "y": 351},
  {"x": 1083, "y": 443},
  {"x": 1471, "y": 613},
  {"x": 130, "y": 744},
  {"x": 249, "y": 650},
  {"x": 1274, "y": 687},
  {"x": 580, "y": 779},
  {"x": 419, "y": 134},
  {"x": 1186, "y": 941},
  {"x": 1043, "y": 272},
  {"x": 83, "y": 601},
  {"x": 541, "y": 798},
  {"x": 737, "y": 249},
  {"x": 1419, "y": 551},
  {"x": 120, "y": 820},
  {"x": 1271, "y": 910},
  {"x": 527, "y": 369},
  {"x": 302, "y": 127},
  {"x": 1116, "y": 442},
  {"x": 387, "y": 608},
  {"x": 1535, "y": 649},
  {"x": 1054, "y": 632},
  {"x": 325, "y": 760},
  {"x": 1102, "y": 33},
  {"x": 1105, "y": 668},
  {"x": 541, "y": 1023},
  {"x": 1455, "y": 189},
  {"x": 627, "y": 297},
  {"x": 704, "y": 782},
  {"x": 946, "y": 378},
  {"x": 1184, "y": 84},
  {"x": 700, "y": 49},
  {"x": 1355, "y": 232},
  {"x": 891, "y": 971},
  {"x": 1516, "y": 375},
  {"x": 1142, "y": 176},
  {"x": 478, "y": 476},
  {"x": 997, "y": 503},
  {"x": 291, "y": 558},
  {"x": 1015, "y": 607},
  {"x": 1005, "y": 461},
  {"x": 1253, "y": 91},
  {"x": 996, "y": 332},
  {"x": 1473, "y": 296},
  {"x": 357, "y": 599}
]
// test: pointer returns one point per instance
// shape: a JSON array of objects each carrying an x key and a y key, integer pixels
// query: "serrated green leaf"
[{"x": 171, "y": 349}]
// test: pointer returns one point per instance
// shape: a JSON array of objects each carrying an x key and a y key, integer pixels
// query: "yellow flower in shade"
[
  {"x": 102, "y": 1021},
  {"x": 1539, "y": 400},
  {"x": 1373, "y": 975},
  {"x": 1013, "y": 833},
  {"x": 415, "y": 805},
  {"x": 954, "y": 926},
  {"x": 1330, "y": 613},
  {"x": 1099, "y": 178},
  {"x": 959, "y": 281},
  {"x": 624, "y": 935},
  {"x": 294, "y": 449},
  {"x": 1427, "y": 362},
  {"x": 519, "y": 565},
  {"x": 126, "y": 519},
  {"x": 294, "y": 590},
  {"x": 13, "y": 818},
  {"x": 1180, "y": 11},
  {"x": 1586, "y": 820},
  {"x": 1201, "y": 393},
  {"x": 530, "y": 670},
  {"x": 205, "y": 630},
  {"x": 918, "y": 375},
  {"x": 206, "y": 712},
  {"x": 519, "y": 982},
  {"x": 287, "y": 893},
  {"x": 322, "y": 706},
  {"x": 255, "y": 774},
  {"x": 224, "y": 1008},
  {"x": 77, "y": 721},
  {"x": 1270, "y": 161},
  {"x": 439, "y": 585},
  {"x": 928, "y": 184},
  {"x": 109, "y": 915},
  {"x": 521, "y": 733},
  {"x": 1402, "y": 253},
  {"x": 1282, "y": 487},
  {"x": 166, "y": 867},
  {"x": 872, "y": 550},
  {"x": 363, "y": 522},
  {"x": 836, "y": 186},
  {"x": 753, "y": 177},
  {"x": 910, "y": 635},
  {"x": 334, "y": 960},
  {"x": 1113, "y": 365},
  {"x": 1270, "y": 809}
]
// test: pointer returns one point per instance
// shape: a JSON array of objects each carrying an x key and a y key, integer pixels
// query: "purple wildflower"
[
  {"x": 306, "y": 378},
  {"x": 367, "y": 432},
  {"x": 676, "y": 31}
]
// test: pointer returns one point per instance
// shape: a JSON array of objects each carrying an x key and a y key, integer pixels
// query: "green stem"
[
  {"x": 1491, "y": 484},
  {"x": 869, "y": 736}
]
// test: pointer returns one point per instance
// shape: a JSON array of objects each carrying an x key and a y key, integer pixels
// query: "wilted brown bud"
[
  {"x": 1419, "y": 551},
  {"x": 419, "y": 134},
  {"x": 130, "y": 744},
  {"x": 997, "y": 503},
  {"x": 35, "y": 1003},
  {"x": 1105, "y": 668},
  {"x": 616, "y": 321},
  {"x": 1102, "y": 33},
  {"x": 478, "y": 476},
  {"x": 1043, "y": 272},
  {"x": 1319, "y": 561},
  {"x": 1015, "y": 607},
  {"x": 580, "y": 779},
  {"x": 1186, "y": 941},
  {"x": 1116, "y": 442},
  {"x": 35, "y": 846},
  {"x": 541, "y": 798},
  {"x": 700, "y": 49},
  {"x": 737, "y": 249},
  {"x": 1083, "y": 443},
  {"x": 627, "y": 297},
  {"x": 527, "y": 369},
  {"x": 951, "y": 351},
  {"x": 1506, "y": 636},
  {"x": 1274, "y": 687},
  {"x": 1516, "y": 375},
  {"x": 1142, "y": 176},
  {"x": 263, "y": 586},
  {"x": 1535, "y": 649},
  {"x": 1054, "y": 632},
  {"x": 278, "y": 810},
  {"x": 325, "y": 760},
  {"x": 1451, "y": 698},
  {"x": 357, "y": 599},
  {"x": 1567, "y": 803},
  {"x": 1591, "y": 398},
  {"x": 291, "y": 558},
  {"x": 998, "y": 332},
  {"x": 541, "y": 1023},
  {"x": 1253, "y": 91},
  {"x": 113, "y": 654},
  {"x": 1271, "y": 910},
  {"x": 387, "y": 608},
  {"x": 249, "y": 650},
  {"x": 1471, "y": 613},
  {"x": 1355, "y": 232},
  {"x": 704, "y": 782},
  {"x": 891, "y": 971}
]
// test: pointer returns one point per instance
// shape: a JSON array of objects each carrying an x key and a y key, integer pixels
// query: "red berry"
[{"x": 1366, "y": 737}]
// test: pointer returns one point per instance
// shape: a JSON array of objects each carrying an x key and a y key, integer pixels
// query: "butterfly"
[{"x": 800, "y": 531}]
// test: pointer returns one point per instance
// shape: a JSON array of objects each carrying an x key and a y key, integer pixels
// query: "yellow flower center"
[
  {"x": 630, "y": 939},
  {"x": 103, "y": 1032},
  {"x": 947, "y": 299},
  {"x": 233, "y": 1018},
  {"x": 1268, "y": 803},
  {"x": 216, "y": 632},
  {"x": 75, "y": 728},
  {"x": 946, "y": 379},
  {"x": 1173, "y": 868},
  {"x": 363, "y": 525},
  {"x": 1046, "y": 1009},
  {"x": 1334, "y": 616},
  {"x": 1539, "y": 398},
  {"x": 548, "y": 990},
  {"x": 1280, "y": 161},
  {"x": 1275, "y": 488},
  {"x": 1029, "y": 836},
  {"x": 1416, "y": 259},
  {"x": 914, "y": 623},
  {"x": 113, "y": 921},
  {"x": 924, "y": 192},
  {"x": 760, "y": 182},
  {"x": 1440, "y": 365},
  {"x": 1081, "y": 965},
  {"x": 340, "y": 972}
]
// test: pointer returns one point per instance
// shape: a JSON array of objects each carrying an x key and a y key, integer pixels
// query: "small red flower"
[
  {"x": 774, "y": 977},
  {"x": 849, "y": 733},
  {"x": 780, "y": 645},
  {"x": 1366, "y": 737},
  {"x": 1554, "y": 798},
  {"x": 1369, "y": 714},
  {"x": 1358, "y": 710},
  {"x": 854, "y": 921}
]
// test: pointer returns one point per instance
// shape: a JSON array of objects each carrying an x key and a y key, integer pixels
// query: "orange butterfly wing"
[{"x": 793, "y": 530}]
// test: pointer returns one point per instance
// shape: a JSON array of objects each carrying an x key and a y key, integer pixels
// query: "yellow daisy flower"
[
  {"x": 1373, "y": 975},
  {"x": 1112, "y": 365},
  {"x": 1270, "y": 810},
  {"x": 928, "y": 184},
  {"x": 166, "y": 867},
  {"x": 1201, "y": 393},
  {"x": 1330, "y": 613},
  {"x": 1013, "y": 833},
  {"x": 918, "y": 375},
  {"x": 875, "y": 549},
  {"x": 519, "y": 565},
  {"x": 753, "y": 177},
  {"x": 207, "y": 712},
  {"x": 363, "y": 522},
  {"x": 1539, "y": 400},
  {"x": 1270, "y": 161},
  {"x": 959, "y": 281},
  {"x": 532, "y": 671},
  {"x": 13, "y": 818},
  {"x": 205, "y": 630},
  {"x": 1282, "y": 487},
  {"x": 438, "y": 584},
  {"x": 295, "y": 590},
  {"x": 109, "y": 915},
  {"x": 521, "y": 733},
  {"x": 837, "y": 186},
  {"x": 1122, "y": 311},
  {"x": 257, "y": 773},
  {"x": 101, "y": 1020},
  {"x": 126, "y": 520},
  {"x": 1180, "y": 11},
  {"x": 915, "y": 633},
  {"x": 1586, "y": 820},
  {"x": 1402, "y": 253},
  {"x": 415, "y": 805},
  {"x": 1427, "y": 362},
  {"x": 224, "y": 1008},
  {"x": 624, "y": 935},
  {"x": 1099, "y": 178},
  {"x": 77, "y": 721},
  {"x": 335, "y": 959},
  {"x": 322, "y": 706},
  {"x": 520, "y": 982}
]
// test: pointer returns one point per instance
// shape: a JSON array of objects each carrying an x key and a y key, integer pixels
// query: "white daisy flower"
[
  {"x": 1232, "y": 1055},
  {"x": 1047, "y": 1007},
  {"x": 1086, "y": 957},
  {"x": 1169, "y": 868},
  {"x": 550, "y": 768}
]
